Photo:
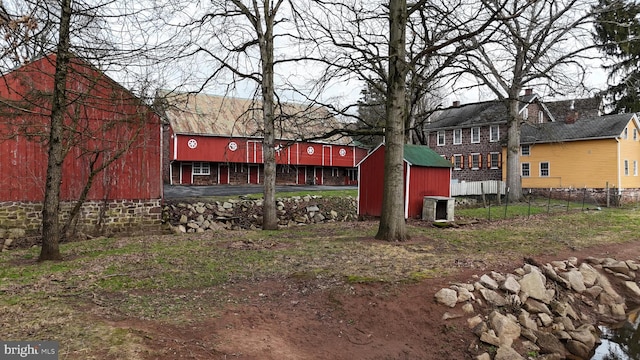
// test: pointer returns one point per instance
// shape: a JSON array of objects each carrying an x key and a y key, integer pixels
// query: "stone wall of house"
[
  {"x": 484, "y": 147},
  {"x": 24, "y": 219}
]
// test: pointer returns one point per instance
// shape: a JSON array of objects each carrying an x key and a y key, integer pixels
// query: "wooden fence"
[{"x": 478, "y": 188}]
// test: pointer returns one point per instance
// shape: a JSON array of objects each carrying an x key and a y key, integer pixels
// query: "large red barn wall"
[{"x": 103, "y": 116}]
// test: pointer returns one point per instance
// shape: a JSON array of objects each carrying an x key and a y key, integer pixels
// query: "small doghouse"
[
  {"x": 425, "y": 174},
  {"x": 438, "y": 208}
]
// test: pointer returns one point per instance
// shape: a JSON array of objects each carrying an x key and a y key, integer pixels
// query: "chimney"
[
  {"x": 456, "y": 103},
  {"x": 528, "y": 92},
  {"x": 572, "y": 117}
]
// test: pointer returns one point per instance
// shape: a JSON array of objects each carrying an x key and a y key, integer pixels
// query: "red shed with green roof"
[{"x": 425, "y": 174}]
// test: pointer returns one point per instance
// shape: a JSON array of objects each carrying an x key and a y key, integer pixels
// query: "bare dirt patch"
[{"x": 298, "y": 318}]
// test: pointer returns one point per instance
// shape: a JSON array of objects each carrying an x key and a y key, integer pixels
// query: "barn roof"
[
  {"x": 600, "y": 127},
  {"x": 423, "y": 156},
  {"x": 203, "y": 114}
]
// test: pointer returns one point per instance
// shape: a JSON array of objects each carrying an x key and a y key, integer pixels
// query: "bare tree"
[
  {"x": 237, "y": 38},
  {"x": 532, "y": 43},
  {"x": 421, "y": 42}
]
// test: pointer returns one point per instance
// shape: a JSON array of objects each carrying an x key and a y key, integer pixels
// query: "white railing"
[{"x": 478, "y": 188}]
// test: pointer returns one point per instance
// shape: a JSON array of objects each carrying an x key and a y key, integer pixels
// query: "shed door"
[{"x": 186, "y": 174}]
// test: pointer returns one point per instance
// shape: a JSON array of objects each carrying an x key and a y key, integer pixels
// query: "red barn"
[
  {"x": 105, "y": 126},
  {"x": 218, "y": 140},
  {"x": 425, "y": 174}
]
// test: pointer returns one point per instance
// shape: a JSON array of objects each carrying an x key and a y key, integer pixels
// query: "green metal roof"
[{"x": 423, "y": 156}]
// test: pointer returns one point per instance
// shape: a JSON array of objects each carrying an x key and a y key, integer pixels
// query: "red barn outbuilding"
[
  {"x": 108, "y": 132},
  {"x": 213, "y": 140},
  {"x": 425, "y": 174}
]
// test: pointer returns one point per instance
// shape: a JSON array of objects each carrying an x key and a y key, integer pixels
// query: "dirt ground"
[{"x": 309, "y": 319}]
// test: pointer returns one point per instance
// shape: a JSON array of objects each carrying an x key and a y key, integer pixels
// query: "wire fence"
[{"x": 539, "y": 201}]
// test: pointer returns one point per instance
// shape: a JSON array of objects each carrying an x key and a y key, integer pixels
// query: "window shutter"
[
  {"x": 480, "y": 161},
  {"x": 489, "y": 158},
  {"x": 499, "y": 160},
  {"x": 470, "y": 161},
  {"x": 453, "y": 160}
]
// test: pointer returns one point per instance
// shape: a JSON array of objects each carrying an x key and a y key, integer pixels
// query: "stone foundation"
[{"x": 24, "y": 219}]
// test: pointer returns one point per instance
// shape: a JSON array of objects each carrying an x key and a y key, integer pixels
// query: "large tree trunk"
[
  {"x": 392, "y": 222},
  {"x": 50, "y": 211},
  {"x": 269, "y": 218},
  {"x": 514, "y": 181}
]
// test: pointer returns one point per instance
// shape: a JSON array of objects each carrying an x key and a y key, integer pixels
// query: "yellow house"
[{"x": 596, "y": 152}]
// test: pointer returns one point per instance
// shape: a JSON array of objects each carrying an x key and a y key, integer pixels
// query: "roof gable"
[{"x": 601, "y": 127}]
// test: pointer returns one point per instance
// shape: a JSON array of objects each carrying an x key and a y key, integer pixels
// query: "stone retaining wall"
[
  {"x": 19, "y": 220},
  {"x": 185, "y": 217},
  {"x": 547, "y": 311}
]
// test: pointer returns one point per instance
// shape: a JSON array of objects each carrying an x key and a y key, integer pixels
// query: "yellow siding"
[
  {"x": 585, "y": 163},
  {"x": 630, "y": 151}
]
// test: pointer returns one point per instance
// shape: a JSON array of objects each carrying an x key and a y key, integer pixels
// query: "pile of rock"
[
  {"x": 243, "y": 213},
  {"x": 541, "y": 309}
]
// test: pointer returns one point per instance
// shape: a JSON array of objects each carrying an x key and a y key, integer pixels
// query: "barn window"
[
  {"x": 334, "y": 172},
  {"x": 201, "y": 168}
]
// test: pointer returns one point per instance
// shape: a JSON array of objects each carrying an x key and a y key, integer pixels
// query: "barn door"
[
  {"x": 223, "y": 173},
  {"x": 186, "y": 178},
  {"x": 254, "y": 174},
  {"x": 302, "y": 175}
]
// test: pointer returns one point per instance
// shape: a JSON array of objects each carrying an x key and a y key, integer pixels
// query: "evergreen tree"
[
  {"x": 617, "y": 34},
  {"x": 371, "y": 116}
]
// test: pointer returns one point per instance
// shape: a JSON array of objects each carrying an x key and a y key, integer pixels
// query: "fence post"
[
  {"x": 506, "y": 202},
  {"x": 608, "y": 195},
  {"x": 568, "y": 198},
  {"x": 484, "y": 200},
  {"x": 584, "y": 195},
  {"x": 549, "y": 201},
  {"x": 489, "y": 212}
]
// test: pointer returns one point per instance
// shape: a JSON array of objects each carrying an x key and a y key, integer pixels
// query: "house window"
[
  {"x": 441, "y": 140},
  {"x": 540, "y": 117},
  {"x": 457, "y": 136},
  {"x": 525, "y": 150},
  {"x": 626, "y": 168},
  {"x": 544, "y": 169},
  {"x": 635, "y": 168},
  {"x": 525, "y": 113},
  {"x": 494, "y": 133},
  {"x": 475, "y": 135},
  {"x": 625, "y": 133},
  {"x": 526, "y": 169},
  {"x": 493, "y": 160},
  {"x": 635, "y": 134},
  {"x": 457, "y": 162},
  {"x": 201, "y": 168},
  {"x": 475, "y": 161}
]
